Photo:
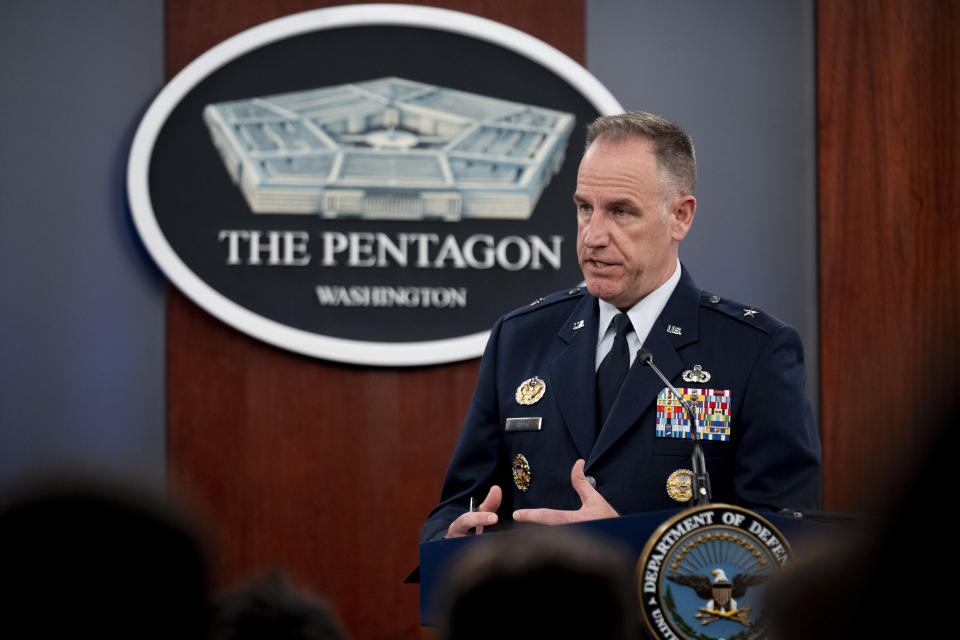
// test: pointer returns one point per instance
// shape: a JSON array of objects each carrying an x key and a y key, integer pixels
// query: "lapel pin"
[
  {"x": 530, "y": 391},
  {"x": 578, "y": 325},
  {"x": 521, "y": 472},
  {"x": 674, "y": 329},
  {"x": 680, "y": 485},
  {"x": 697, "y": 374}
]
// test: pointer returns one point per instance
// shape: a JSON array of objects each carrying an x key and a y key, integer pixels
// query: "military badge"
[
  {"x": 697, "y": 374},
  {"x": 521, "y": 472},
  {"x": 712, "y": 407},
  {"x": 680, "y": 485},
  {"x": 701, "y": 574},
  {"x": 530, "y": 391}
]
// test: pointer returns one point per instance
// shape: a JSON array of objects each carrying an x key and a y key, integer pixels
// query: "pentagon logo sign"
[
  {"x": 701, "y": 574},
  {"x": 399, "y": 150},
  {"x": 372, "y": 184}
]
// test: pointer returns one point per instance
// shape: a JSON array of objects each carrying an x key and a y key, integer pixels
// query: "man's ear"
[{"x": 682, "y": 211}]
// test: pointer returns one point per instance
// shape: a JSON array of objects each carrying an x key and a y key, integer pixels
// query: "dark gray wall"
[
  {"x": 81, "y": 332},
  {"x": 739, "y": 77}
]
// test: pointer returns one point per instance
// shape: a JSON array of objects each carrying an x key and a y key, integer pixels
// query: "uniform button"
[
  {"x": 714, "y": 299},
  {"x": 592, "y": 481}
]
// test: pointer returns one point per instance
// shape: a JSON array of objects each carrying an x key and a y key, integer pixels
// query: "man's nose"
[{"x": 596, "y": 233}]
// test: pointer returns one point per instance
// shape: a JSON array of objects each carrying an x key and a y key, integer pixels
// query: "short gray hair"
[{"x": 672, "y": 147}]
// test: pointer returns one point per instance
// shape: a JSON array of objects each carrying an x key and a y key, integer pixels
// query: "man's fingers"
[
  {"x": 477, "y": 519},
  {"x": 492, "y": 501},
  {"x": 545, "y": 516},
  {"x": 594, "y": 506},
  {"x": 580, "y": 483}
]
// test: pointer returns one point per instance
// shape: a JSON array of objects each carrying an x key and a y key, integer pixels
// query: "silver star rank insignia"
[{"x": 749, "y": 313}]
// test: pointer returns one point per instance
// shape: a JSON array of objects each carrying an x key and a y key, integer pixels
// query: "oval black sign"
[{"x": 367, "y": 184}]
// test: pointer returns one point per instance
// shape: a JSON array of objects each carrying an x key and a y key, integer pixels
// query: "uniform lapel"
[
  {"x": 642, "y": 385},
  {"x": 572, "y": 373}
]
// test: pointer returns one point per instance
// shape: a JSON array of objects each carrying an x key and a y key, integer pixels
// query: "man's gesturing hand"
[
  {"x": 594, "y": 506},
  {"x": 483, "y": 516}
]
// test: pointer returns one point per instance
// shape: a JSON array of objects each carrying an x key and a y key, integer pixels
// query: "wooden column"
[
  {"x": 323, "y": 469},
  {"x": 889, "y": 139}
]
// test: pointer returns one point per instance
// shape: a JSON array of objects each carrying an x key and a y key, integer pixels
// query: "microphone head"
[{"x": 644, "y": 356}]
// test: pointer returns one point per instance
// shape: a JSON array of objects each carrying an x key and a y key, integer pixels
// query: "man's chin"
[{"x": 602, "y": 291}]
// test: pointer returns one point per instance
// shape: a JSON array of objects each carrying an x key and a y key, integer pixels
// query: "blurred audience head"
[
  {"x": 271, "y": 609},
  {"x": 907, "y": 548},
  {"x": 545, "y": 583},
  {"x": 82, "y": 559}
]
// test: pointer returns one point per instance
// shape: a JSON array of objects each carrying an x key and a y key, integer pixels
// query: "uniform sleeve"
[
  {"x": 478, "y": 460},
  {"x": 778, "y": 457}
]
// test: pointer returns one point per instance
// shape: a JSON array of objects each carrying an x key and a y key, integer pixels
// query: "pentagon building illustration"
[{"x": 389, "y": 149}]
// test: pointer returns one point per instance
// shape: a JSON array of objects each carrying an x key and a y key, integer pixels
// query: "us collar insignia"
[
  {"x": 680, "y": 485},
  {"x": 530, "y": 391},
  {"x": 697, "y": 374},
  {"x": 708, "y": 566},
  {"x": 521, "y": 472}
]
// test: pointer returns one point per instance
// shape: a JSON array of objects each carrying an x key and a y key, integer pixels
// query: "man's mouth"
[{"x": 599, "y": 264}]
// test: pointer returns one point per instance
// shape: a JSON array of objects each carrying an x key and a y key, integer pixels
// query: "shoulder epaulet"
[
  {"x": 745, "y": 313},
  {"x": 549, "y": 300}
]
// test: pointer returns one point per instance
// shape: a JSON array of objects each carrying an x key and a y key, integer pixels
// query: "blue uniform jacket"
[{"x": 771, "y": 460}]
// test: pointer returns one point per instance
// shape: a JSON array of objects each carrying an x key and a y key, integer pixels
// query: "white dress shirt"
[{"x": 642, "y": 316}]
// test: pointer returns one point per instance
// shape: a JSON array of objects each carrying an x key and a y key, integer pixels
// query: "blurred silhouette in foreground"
[
  {"x": 897, "y": 580},
  {"x": 272, "y": 609},
  {"x": 81, "y": 560},
  {"x": 543, "y": 583}
]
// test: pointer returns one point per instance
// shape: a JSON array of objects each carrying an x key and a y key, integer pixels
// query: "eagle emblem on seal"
[{"x": 721, "y": 594}]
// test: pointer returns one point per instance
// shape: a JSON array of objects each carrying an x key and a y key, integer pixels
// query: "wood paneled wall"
[
  {"x": 326, "y": 470},
  {"x": 889, "y": 173}
]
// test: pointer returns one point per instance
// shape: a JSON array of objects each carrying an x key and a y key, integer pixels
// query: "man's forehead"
[
  {"x": 633, "y": 156},
  {"x": 628, "y": 146},
  {"x": 619, "y": 170}
]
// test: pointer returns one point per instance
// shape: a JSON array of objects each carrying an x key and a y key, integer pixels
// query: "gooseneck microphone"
[{"x": 701, "y": 480}]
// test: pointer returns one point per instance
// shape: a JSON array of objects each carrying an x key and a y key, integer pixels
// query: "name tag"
[{"x": 523, "y": 424}]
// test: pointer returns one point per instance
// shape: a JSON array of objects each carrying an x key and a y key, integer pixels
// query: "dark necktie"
[{"x": 613, "y": 369}]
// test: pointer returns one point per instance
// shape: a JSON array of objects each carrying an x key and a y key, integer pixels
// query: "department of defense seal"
[
  {"x": 521, "y": 472},
  {"x": 701, "y": 574},
  {"x": 680, "y": 485},
  {"x": 530, "y": 391}
]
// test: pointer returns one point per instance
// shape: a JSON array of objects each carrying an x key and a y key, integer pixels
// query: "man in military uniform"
[{"x": 562, "y": 428}]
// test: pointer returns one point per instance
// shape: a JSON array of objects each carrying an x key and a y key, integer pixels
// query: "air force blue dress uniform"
[{"x": 772, "y": 458}]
